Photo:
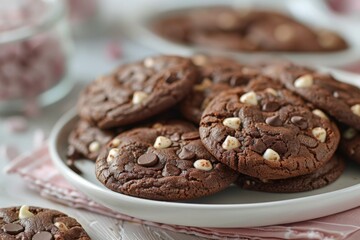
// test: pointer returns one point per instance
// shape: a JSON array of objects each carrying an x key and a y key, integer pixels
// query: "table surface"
[{"x": 90, "y": 59}]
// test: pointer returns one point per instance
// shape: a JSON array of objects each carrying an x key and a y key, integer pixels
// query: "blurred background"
[{"x": 50, "y": 48}]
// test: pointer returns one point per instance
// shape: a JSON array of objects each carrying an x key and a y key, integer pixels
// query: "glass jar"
[{"x": 35, "y": 48}]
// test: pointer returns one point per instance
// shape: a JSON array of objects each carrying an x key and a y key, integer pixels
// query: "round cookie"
[
  {"x": 276, "y": 32},
  {"x": 339, "y": 99},
  {"x": 323, "y": 176},
  {"x": 137, "y": 91},
  {"x": 350, "y": 143},
  {"x": 86, "y": 140},
  {"x": 216, "y": 75},
  {"x": 162, "y": 162},
  {"x": 267, "y": 134},
  {"x": 223, "y": 40},
  {"x": 38, "y": 224}
]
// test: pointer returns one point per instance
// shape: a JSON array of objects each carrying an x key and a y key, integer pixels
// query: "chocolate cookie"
[
  {"x": 216, "y": 75},
  {"x": 34, "y": 223},
  {"x": 276, "y": 32},
  {"x": 339, "y": 99},
  {"x": 86, "y": 140},
  {"x": 137, "y": 91},
  {"x": 323, "y": 176},
  {"x": 245, "y": 30},
  {"x": 162, "y": 162},
  {"x": 350, "y": 143},
  {"x": 267, "y": 134}
]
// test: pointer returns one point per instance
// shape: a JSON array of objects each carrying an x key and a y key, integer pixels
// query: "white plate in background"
[
  {"x": 232, "y": 207},
  {"x": 137, "y": 22}
]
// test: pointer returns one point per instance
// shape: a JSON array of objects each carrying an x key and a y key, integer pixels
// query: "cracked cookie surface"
[
  {"x": 322, "y": 177},
  {"x": 338, "y": 99},
  {"x": 30, "y": 223},
  {"x": 86, "y": 140},
  {"x": 267, "y": 134},
  {"x": 137, "y": 91},
  {"x": 162, "y": 162},
  {"x": 216, "y": 75}
]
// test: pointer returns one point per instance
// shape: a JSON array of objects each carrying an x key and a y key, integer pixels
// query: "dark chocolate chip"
[
  {"x": 270, "y": 106},
  {"x": 175, "y": 137},
  {"x": 148, "y": 160},
  {"x": 43, "y": 236},
  {"x": 171, "y": 78},
  {"x": 299, "y": 121},
  {"x": 190, "y": 136},
  {"x": 71, "y": 164},
  {"x": 13, "y": 228},
  {"x": 186, "y": 154},
  {"x": 274, "y": 121},
  {"x": 171, "y": 170}
]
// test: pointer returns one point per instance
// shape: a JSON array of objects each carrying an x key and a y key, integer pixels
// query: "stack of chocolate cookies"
[{"x": 174, "y": 128}]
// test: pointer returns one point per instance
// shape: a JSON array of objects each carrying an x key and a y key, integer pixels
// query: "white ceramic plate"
[
  {"x": 137, "y": 27},
  {"x": 232, "y": 207}
]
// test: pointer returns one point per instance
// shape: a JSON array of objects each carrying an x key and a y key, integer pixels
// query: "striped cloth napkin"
[{"x": 40, "y": 174}]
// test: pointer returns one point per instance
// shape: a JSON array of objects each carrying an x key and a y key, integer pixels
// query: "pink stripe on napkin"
[{"x": 41, "y": 175}]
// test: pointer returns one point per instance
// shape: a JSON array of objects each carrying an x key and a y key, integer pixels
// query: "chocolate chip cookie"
[
  {"x": 323, "y": 176},
  {"x": 216, "y": 75},
  {"x": 162, "y": 162},
  {"x": 245, "y": 30},
  {"x": 137, "y": 91},
  {"x": 339, "y": 99},
  {"x": 34, "y": 223},
  {"x": 267, "y": 134},
  {"x": 86, "y": 140},
  {"x": 350, "y": 143}
]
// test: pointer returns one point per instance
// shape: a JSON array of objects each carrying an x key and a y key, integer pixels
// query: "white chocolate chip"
[
  {"x": 199, "y": 60},
  {"x": 349, "y": 133},
  {"x": 115, "y": 142},
  {"x": 24, "y": 212},
  {"x": 304, "y": 81},
  {"x": 319, "y": 133},
  {"x": 271, "y": 155},
  {"x": 139, "y": 97},
  {"x": 232, "y": 122},
  {"x": 162, "y": 142},
  {"x": 61, "y": 226},
  {"x": 327, "y": 39},
  {"x": 249, "y": 98},
  {"x": 230, "y": 143},
  {"x": 284, "y": 32},
  {"x": 149, "y": 62},
  {"x": 226, "y": 21},
  {"x": 94, "y": 146},
  {"x": 205, "y": 84},
  {"x": 113, "y": 153},
  {"x": 320, "y": 113},
  {"x": 157, "y": 125},
  {"x": 356, "y": 109},
  {"x": 272, "y": 91},
  {"x": 203, "y": 164}
]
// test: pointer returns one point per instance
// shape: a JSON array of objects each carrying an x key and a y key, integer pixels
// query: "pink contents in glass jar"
[
  {"x": 34, "y": 44},
  {"x": 29, "y": 67}
]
